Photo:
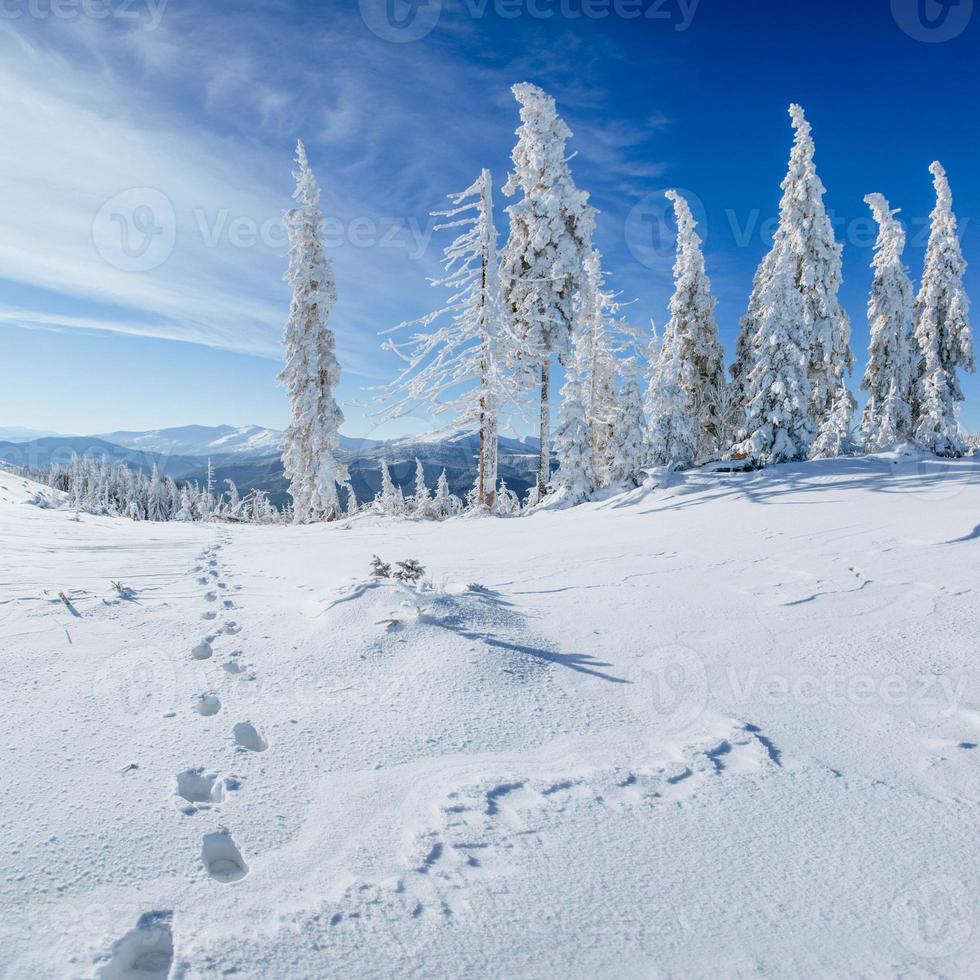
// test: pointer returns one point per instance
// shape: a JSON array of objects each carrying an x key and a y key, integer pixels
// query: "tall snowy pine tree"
[
  {"x": 550, "y": 236},
  {"x": 693, "y": 332},
  {"x": 312, "y": 373},
  {"x": 942, "y": 330},
  {"x": 778, "y": 425},
  {"x": 887, "y": 416},
  {"x": 806, "y": 233},
  {"x": 596, "y": 362}
]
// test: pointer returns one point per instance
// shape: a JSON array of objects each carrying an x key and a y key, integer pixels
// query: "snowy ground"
[{"x": 724, "y": 727}]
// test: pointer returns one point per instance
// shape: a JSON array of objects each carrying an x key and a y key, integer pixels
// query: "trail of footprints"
[
  {"x": 148, "y": 949},
  {"x": 197, "y": 789}
]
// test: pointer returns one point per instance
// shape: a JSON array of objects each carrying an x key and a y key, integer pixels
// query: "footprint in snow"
[
  {"x": 247, "y": 738},
  {"x": 210, "y": 596},
  {"x": 222, "y": 859},
  {"x": 208, "y": 705},
  {"x": 209, "y": 615},
  {"x": 203, "y": 651},
  {"x": 198, "y": 787},
  {"x": 146, "y": 951}
]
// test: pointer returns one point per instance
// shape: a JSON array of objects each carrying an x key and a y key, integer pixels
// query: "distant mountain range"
[{"x": 250, "y": 456}]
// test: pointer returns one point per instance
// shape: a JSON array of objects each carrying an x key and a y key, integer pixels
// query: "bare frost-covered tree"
[
  {"x": 457, "y": 362},
  {"x": 550, "y": 236},
  {"x": 887, "y": 416},
  {"x": 942, "y": 330},
  {"x": 311, "y": 374}
]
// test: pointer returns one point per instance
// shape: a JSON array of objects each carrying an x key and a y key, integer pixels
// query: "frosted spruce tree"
[
  {"x": 550, "y": 236},
  {"x": 805, "y": 231},
  {"x": 457, "y": 361},
  {"x": 422, "y": 502},
  {"x": 311, "y": 374},
  {"x": 778, "y": 425},
  {"x": 575, "y": 479},
  {"x": 942, "y": 331},
  {"x": 387, "y": 497},
  {"x": 596, "y": 361},
  {"x": 673, "y": 439},
  {"x": 693, "y": 332},
  {"x": 629, "y": 448},
  {"x": 887, "y": 417}
]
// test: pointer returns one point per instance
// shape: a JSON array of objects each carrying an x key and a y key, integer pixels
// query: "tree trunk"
[{"x": 544, "y": 468}]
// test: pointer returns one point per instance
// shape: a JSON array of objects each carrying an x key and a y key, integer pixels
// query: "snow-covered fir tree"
[
  {"x": 186, "y": 511},
  {"x": 596, "y": 361},
  {"x": 508, "y": 503},
  {"x": 834, "y": 438},
  {"x": 673, "y": 439},
  {"x": 575, "y": 478},
  {"x": 442, "y": 505},
  {"x": 943, "y": 336},
  {"x": 233, "y": 505},
  {"x": 692, "y": 335},
  {"x": 550, "y": 235},
  {"x": 805, "y": 230},
  {"x": 654, "y": 347},
  {"x": 778, "y": 426},
  {"x": 421, "y": 502},
  {"x": 156, "y": 498},
  {"x": 387, "y": 497},
  {"x": 459, "y": 361},
  {"x": 629, "y": 448},
  {"x": 352, "y": 505},
  {"x": 311, "y": 373},
  {"x": 887, "y": 416}
]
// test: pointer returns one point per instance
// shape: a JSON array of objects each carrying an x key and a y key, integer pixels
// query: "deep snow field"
[{"x": 723, "y": 726}]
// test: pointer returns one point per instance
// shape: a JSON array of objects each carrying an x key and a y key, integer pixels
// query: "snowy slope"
[{"x": 726, "y": 726}]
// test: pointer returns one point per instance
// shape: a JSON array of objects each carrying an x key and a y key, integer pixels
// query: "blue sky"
[{"x": 185, "y": 115}]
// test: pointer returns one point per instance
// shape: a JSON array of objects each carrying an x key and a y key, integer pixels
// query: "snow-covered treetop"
[
  {"x": 891, "y": 234},
  {"x": 539, "y": 157},
  {"x": 307, "y": 190},
  {"x": 551, "y": 228},
  {"x": 944, "y": 196}
]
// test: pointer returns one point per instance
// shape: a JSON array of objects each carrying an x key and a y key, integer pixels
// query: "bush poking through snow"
[
  {"x": 379, "y": 568},
  {"x": 411, "y": 571}
]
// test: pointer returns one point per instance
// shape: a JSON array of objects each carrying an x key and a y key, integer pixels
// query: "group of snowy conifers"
[{"x": 474, "y": 361}]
